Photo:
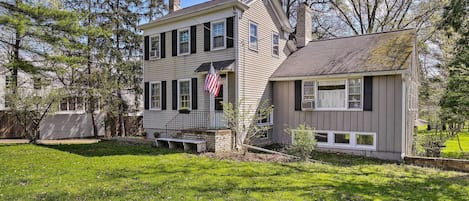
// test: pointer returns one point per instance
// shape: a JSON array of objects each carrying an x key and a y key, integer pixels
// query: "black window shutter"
[
  {"x": 298, "y": 95},
  {"x": 368, "y": 93},
  {"x": 174, "y": 98},
  {"x": 207, "y": 36},
  {"x": 229, "y": 32},
  {"x": 163, "y": 45},
  {"x": 174, "y": 40},
  {"x": 147, "y": 96},
  {"x": 146, "y": 47},
  {"x": 193, "y": 39},
  {"x": 163, "y": 95},
  {"x": 194, "y": 93}
]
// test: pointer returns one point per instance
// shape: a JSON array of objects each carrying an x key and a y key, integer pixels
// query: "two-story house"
[
  {"x": 358, "y": 93},
  {"x": 245, "y": 41}
]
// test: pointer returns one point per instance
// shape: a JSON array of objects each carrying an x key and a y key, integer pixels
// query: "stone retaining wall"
[
  {"x": 217, "y": 140},
  {"x": 441, "y": 163}
]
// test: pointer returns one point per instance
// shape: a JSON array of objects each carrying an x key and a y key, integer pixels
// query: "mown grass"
[
  {"x": 111, "y": 171},
  {"x": 451, "y": 149}
]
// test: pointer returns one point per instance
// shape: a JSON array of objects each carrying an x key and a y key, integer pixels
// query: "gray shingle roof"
[
  {"x": 217, "y": 65},
  {"x": 192, "y": 9},
  {"x": 387, "y": 51}
]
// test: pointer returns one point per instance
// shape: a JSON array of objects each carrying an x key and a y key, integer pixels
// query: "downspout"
[
  {"x": 404, "y": 106},
  {"x": 236, "y": 68}
]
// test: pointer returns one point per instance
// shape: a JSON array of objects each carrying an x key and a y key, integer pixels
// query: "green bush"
[
  {"x": 303, "y": 143},
  {"x": 156, "y": 134}
]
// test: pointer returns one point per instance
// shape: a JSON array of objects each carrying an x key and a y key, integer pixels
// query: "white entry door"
[{"x": 216, "y": 107}]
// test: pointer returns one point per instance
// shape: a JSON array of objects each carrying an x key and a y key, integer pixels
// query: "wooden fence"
[{"x": 9, "y": 126}]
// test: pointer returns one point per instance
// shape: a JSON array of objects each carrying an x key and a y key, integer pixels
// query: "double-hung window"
[
  {"x": 155, "y": 46},
  {"x": 183, "y": 40},
  {"x": 37, "y": 83},
  {"x": 253, "y": 36},
  {"x": 268, "y": 121},
  {"x": 72, "y": 104},
  {"x": 331, "y": 94},
  {"x": 354, "y": 93},
  {"x": 338, "y": 94},
  {"x": 308, "y": 94},
  {"x": 184, "y": 94},
  {"x": 275, "y": 44},
  {"x": 155, "y": 95},
  {"x": 218, "y": 35},
  {"x": 8, "y": 81}
]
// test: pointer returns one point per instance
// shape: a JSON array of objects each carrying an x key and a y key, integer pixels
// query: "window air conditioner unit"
[{"x": 309, "y": 105}]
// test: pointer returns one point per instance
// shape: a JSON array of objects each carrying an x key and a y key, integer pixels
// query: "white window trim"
[
  {"x": 346, "y": 95},
  {"x": 159, "y": 44},
  {"x": 270, "y": 122},
  {"x": 278, "y": 45},
  {"x": 151, "y": 94},
  {"x": 76, "y": 111},
  {"x": 212, "y": 36},
  {"x": 303, "y": 94},
  {"x": 353, "y": 140},
  {"x": 189, "y": 41},
  {"x": 190, "y": 93},
  {"x": 257, "y": 36},
  {"x": 269, "y": 133}
]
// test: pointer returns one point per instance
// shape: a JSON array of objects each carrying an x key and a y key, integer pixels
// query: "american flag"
[{"x": 212, "y": 81}]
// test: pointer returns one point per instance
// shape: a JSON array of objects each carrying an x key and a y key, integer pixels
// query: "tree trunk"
[
  {"x": 459, "y": 143},
  {"x": 95, "y": 128}
]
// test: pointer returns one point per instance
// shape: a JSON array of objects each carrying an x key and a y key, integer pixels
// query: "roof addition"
[
  {"x": 380, "y": 52},
  {"x": 226, "y": 65}
]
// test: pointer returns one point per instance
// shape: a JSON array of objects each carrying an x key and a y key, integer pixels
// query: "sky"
[{"x": 187, "y": 3}]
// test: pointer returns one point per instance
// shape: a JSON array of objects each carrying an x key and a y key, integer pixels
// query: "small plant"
[
  {"x": 144, "y": 134},
  {"x": 156, "y": 134},
  {"x": 303, "y": 141}
]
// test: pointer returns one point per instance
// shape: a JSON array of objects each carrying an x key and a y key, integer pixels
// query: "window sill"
[
  {"x": 71, "y": 112},
  {"x": 155, "y": 58},
  {"x": 332, "y": 110},
  {"x": 254, "y": 50},
  {"x": 184, "y": 54},
  {"x": 218, "y": 48},
  {"x": 345, "y": 146},
  {"x": 155, "y": 109}
]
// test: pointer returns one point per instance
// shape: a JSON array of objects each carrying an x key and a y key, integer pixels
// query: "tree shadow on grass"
[
  {"x": 110, "y": 148},
  {"x": 347, "y": 160},
  {"x": 432, "y": 188}
]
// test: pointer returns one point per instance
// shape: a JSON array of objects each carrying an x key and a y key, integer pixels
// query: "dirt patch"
[{"x": 249, "y": 157}]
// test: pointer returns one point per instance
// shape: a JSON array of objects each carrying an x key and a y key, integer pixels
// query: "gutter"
[
  {"x": 377, "y": 73},
  {"x": 201, "y": 11}
]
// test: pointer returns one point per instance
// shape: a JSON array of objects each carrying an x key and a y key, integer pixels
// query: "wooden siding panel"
[
  {"x": 347, "y": 121},
  {"x": 366, "y": 121},
  {"x": 390, "y": 137},
  {"x": 382, "y": 118},
  {"x": 255, "y": 67},
  {"x": 398, "y": 115},
  {"x": 180, "y": 67}
]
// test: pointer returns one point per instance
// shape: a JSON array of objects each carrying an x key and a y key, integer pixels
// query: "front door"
[{"x": 216, "y": 106}]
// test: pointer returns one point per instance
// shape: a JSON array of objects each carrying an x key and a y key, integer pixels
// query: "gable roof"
[
  {"x": 214, "y": 5},
  {"x": 379, "y": 52}
]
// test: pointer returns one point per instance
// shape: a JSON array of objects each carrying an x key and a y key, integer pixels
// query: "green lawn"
[
  {"x": 110, "y": 171},
  {"x": 452, "y": 148}
]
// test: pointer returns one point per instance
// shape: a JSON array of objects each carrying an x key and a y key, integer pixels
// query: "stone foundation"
[{"x": 217, "y": 140}]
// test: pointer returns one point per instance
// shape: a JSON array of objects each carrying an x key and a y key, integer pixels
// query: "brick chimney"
[
  {"x": 303, "y": 25},
  {"x": 174, "y": 5}
]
